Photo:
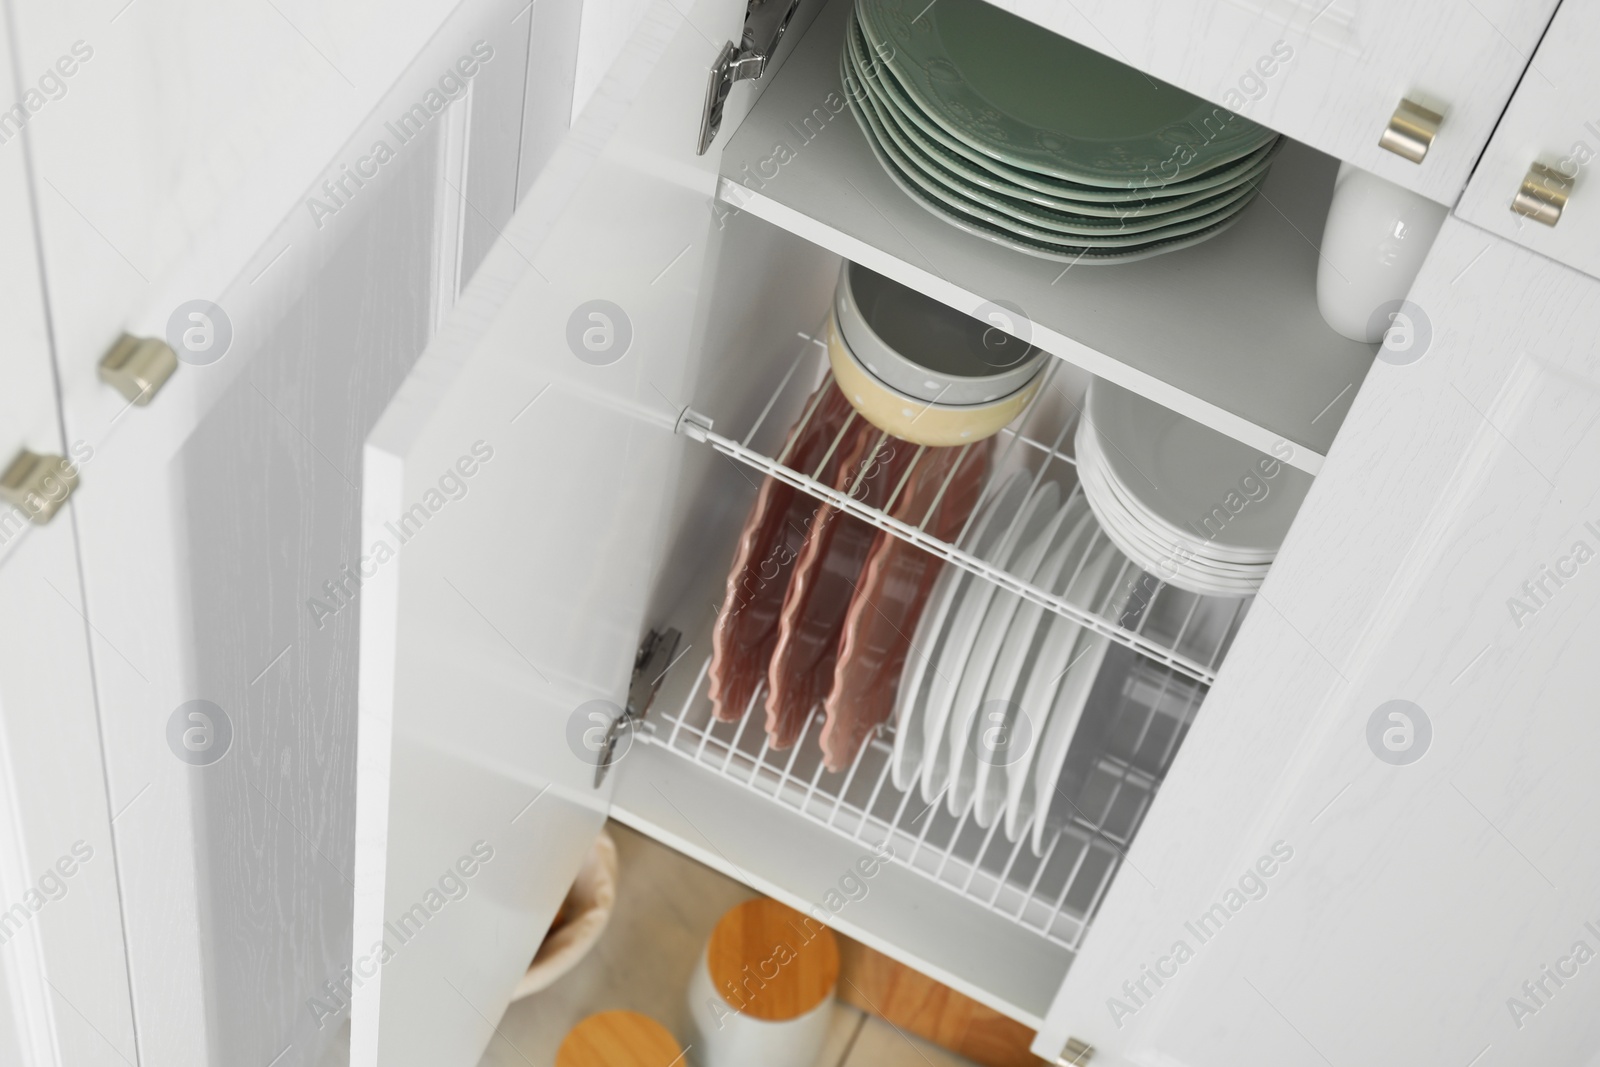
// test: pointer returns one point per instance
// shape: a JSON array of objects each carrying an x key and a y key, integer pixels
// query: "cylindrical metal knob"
[
  {"x": 138, "y": 367},
  {"x": 38, "y": 485},
  {"x": 1543, "y": 194},
  {"x": 1411, "y": 131}
]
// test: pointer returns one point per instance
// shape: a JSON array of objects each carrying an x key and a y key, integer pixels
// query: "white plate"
[
  {"x": 1092, "y": 463},
  {"x": 1018, "y": 654},
  {"x": 1155, "y": 529},
  {"x": 986, "y": 649},
  {"x": 1167, "y": 562},
  {"x": 910, "y": 701},
  {"x": 972, "y": 603},
  {"x": 1098, "y": 557},
  {"x": 1194, "y": 469},
  {"x": 1070, "y": 700}
]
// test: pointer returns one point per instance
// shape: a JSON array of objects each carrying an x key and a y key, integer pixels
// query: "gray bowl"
[{"x": 926, "y": 349}]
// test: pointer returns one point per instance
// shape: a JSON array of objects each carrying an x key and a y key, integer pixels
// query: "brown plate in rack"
[
  {"x": 746, "y": 631},
  {"x": 824, "y": 582},
  {"x": 893, "y": 592}
]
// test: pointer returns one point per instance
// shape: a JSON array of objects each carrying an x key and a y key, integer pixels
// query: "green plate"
[
  {"x": 1035, "y": 223},
  {"x": 977, "y": 168},
  {"x": 1044, "y": 213},
  {"x": 1030, "y": 99},
  {"x": 1191, "y": 186},
  {"x": 1006, "y": 234}
]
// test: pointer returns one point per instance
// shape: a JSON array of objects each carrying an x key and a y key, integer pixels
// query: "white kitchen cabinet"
[
  {"x": 185, "y": 157},
  {"x": 1329, "y": 73},
  {"x": 542, "y": 506},
  {"x": 64, "y": 991},
  {"x": 540, "y": 512},
  {"x": 1553, "y": 121},
  {"x": 1419, "y": 898}
]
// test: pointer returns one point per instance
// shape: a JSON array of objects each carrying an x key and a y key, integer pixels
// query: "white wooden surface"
[
  {"x": 1228, "y": 332},
  {"x": 1554, "y": 119},
  {"x": 1352, "y": 62},
  {"x": 1418, "y": 898}
]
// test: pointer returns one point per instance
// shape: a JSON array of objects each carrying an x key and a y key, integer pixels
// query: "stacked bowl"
[
  {"x": 922, "y": 370},
  {"x": 1185, "y": 503},
  {"x": 1036, "y": 143}
]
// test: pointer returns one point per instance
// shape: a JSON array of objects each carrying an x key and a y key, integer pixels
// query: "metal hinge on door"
[
  {"x": 650, "y": 665},
  {"x": 764, "y": 23}
]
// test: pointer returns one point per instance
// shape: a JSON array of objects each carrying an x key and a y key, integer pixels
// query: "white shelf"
[
  {"x": 1227, "y": 332},
  {"x": 716, "y": 821}
]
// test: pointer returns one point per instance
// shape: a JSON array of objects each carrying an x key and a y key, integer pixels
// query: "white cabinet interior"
[
  {"x": 1227, "y": 333},
  {"x": 610, "y": 510}
]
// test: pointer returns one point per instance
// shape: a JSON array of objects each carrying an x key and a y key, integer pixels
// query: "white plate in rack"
[
  {"x": 1062, "y": 636},
  {"x": 949, "y": 675},
  {"x": 1067, "y": 708},
  {"x": 971, "y": 609},
  {"x": 1018, "y": 656},
  {"x": 987, "y": 649},
  {"x": 933, "y": 628}
]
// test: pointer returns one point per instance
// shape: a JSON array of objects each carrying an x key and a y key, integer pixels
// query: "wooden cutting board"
[{"x": 916, "y": 1003}]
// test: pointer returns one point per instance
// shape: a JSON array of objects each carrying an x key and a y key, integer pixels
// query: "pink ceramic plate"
[
  {"x": 824, "y": 581},
  {"x": 747, "y": 627},
  {"x": 890, "y": 599}
]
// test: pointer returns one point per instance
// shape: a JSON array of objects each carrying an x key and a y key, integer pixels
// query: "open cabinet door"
[
  {"x": 1377, "y": 846},
  {"x": 516, "y": 493}
]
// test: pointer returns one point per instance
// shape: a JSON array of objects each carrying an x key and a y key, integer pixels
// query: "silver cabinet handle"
[
  {"x": 1075, "y": 1054},
  {"x": 138, "y": 367},
  {"x": 38, "y": 485},
  {"x": 1411, "y": 131},
  {"x": 1543, "y": 194}
]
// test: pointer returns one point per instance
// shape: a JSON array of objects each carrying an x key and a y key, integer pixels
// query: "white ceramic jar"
[
  {"x": 763, "y": 991},
  {"x": 1373, "y": 243}
]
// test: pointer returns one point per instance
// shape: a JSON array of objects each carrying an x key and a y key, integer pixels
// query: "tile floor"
[{"x": 667, "y": 905}]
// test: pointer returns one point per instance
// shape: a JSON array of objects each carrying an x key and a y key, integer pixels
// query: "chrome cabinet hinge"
[
  {"x": 764, "y": 23},
  {"x": 650, "y": 665}
]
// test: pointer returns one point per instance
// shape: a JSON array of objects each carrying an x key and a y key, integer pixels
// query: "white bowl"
[{"x": 927, "y": 350}]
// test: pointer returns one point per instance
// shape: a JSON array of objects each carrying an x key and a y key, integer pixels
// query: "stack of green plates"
[{"x": 1039, "y": 144}]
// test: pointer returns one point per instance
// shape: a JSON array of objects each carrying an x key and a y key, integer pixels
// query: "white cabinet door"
[
  {"x": 1376, "y": 846},
  {"x": 230, "y": 155},
  {"x": 64, "y": 996},
  {"x": 1329, "y": 73},
  {"x": 517, "y": 499},
  {"x": 1554, "y": 121}
]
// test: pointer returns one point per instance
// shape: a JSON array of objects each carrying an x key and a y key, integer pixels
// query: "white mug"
[{"x": 1373, "y": 244}]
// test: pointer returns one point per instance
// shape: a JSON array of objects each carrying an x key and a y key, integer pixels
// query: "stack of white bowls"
[{"x": 1189, "y": 505}]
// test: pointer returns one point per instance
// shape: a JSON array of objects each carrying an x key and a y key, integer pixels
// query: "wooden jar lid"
[
  {"x": 770, "y": 962},
  {"x": 619, "y": 1039}
]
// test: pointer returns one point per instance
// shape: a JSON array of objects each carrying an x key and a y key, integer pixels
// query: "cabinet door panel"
[
  {"x": 60, "y": 930},
  {"x": 1553, "y": 119},
  {"x": 1411, "y": 878},
  {"x": 211, "y": 518},
  {"x": 490, "y": 635},
  {"x": 1328, "y": 72}
]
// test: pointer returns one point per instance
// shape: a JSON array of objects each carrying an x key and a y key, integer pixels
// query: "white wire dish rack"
[
  {"x": 1168, "y": 644},
  {"x": 1111, "y": 784}
]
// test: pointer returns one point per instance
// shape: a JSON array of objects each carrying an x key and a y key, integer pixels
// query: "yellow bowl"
[{"x": 919, "y": 421}]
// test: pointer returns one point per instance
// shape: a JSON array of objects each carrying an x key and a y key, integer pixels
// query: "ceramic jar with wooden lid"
[
  {"x": 763, "y": 993},
  {"x": 619, "y": 1039}
]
